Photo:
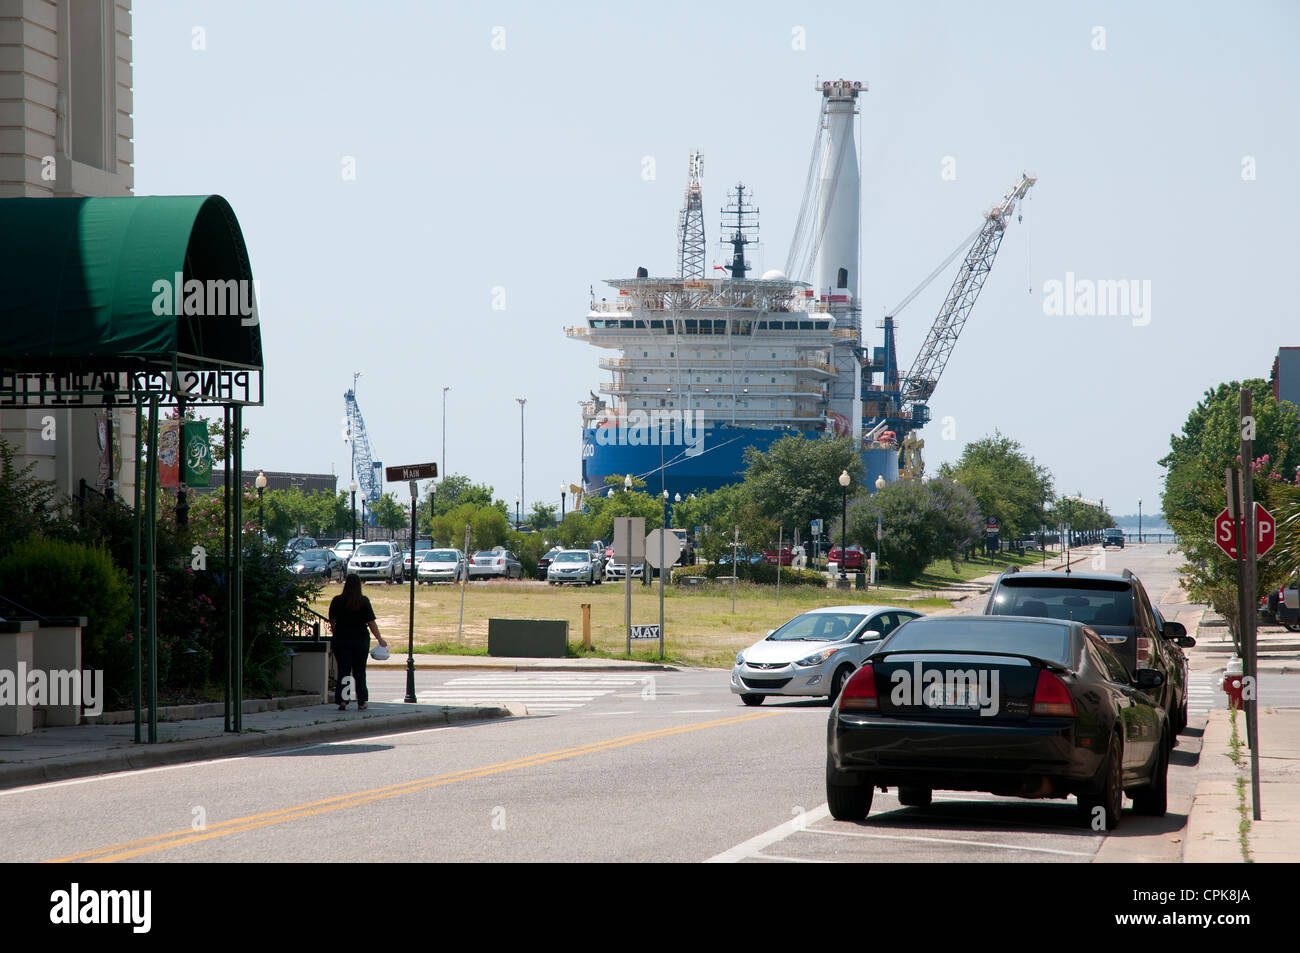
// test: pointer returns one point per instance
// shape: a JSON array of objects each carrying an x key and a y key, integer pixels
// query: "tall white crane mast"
[{"x": 690, "y": 223}]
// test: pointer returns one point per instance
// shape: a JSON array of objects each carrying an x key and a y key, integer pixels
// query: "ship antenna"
[{"x": 740, "y": 232}]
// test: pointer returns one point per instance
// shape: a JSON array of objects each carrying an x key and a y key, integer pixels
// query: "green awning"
[{"x": 95, "y": 284}]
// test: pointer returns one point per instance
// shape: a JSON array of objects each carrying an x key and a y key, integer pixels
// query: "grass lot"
[{"x": 700, "y": 625}]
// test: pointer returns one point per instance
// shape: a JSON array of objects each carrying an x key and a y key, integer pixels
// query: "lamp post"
[
  {"x": 444, "y": 430},
  {"x": 260, "y": 483},
  {"x": 844, "y": 523},
  {"x": 1139, "y": 519},
  {"x": 353, "y": 487},
  {"x": 627, "y": 483},
  {"x": 518, "y": 522},
  {"x": 610, "y": 494},
  {"x": 880, "y": 533},
  {"x": 521, "y": 401},
  {"x": 563, "y": 488}
]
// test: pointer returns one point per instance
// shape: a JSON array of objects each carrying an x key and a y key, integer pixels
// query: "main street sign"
[
  {"x": 1226, "y": 531},
  {"x": 413, "y": 471}
]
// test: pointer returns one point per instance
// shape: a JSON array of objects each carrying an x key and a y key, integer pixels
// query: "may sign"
[{"x": 1226, "y": 531}]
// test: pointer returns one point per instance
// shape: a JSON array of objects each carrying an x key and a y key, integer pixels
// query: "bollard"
[{"x": 586, "y": 626}]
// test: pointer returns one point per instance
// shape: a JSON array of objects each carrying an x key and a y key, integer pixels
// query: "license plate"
[{"x": 955, "y": 696}]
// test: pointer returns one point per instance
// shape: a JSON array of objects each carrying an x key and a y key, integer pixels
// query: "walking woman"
[{"x": 350, "y": 617}]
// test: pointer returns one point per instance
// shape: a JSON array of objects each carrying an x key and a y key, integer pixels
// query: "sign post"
[
  {"x": 663, "y": 549},
  {"x": 629, "y": 545},
  {"x": 461, "y": 623},
  {"x": 411, "y": 473}
]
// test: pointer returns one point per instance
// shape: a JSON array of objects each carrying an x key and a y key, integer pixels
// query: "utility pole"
[
  {"x": 522, "y": 401},
  {"x": 443, "y": 462}
]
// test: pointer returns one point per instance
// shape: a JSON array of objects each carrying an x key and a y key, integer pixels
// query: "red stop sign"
[{"x": 1227, "y": 531}]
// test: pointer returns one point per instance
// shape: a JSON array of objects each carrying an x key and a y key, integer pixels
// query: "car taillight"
[
  {"x": 1144, "y": 650},
  {"x": 1051, "y": 697},
  {"x": 860, "y": 692},
  {"x": 500, "y": 560}
]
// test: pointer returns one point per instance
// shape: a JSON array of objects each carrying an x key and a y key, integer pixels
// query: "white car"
[
  {"x": 814, "y": 653},
  {"x": 377, "y": 561},
  {"x": 617, "y": 570},
  {"x": 574, "y": 565},
  {"x": 442, "y": 565}
]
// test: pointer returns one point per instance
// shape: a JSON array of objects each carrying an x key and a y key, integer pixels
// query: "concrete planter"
[
  {"x": 17, "y": 656},
  {"x": 308, "y": 668},
  {"x": 57, "y": 648}
]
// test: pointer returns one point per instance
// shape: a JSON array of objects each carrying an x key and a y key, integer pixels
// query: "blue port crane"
[
  {"x": 367, "y": 470},
  {"x": 905, "y": 397}
]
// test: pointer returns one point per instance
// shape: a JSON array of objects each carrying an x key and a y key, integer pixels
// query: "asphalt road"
[{"x": 662, "y": 766}]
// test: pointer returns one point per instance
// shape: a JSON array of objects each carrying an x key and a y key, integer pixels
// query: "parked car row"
[{"x": 1066, "y": 686}]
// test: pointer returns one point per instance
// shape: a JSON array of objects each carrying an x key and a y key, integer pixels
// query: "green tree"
[
  {"x": 542, "y": 517},
  {"x": 1209, "y": 442},
  {"x": 796, "y": 480},
  {"x": 389, "y": 514},
  {"x": 921, "y": 521},
  {"x": 1005, "y": 481}
]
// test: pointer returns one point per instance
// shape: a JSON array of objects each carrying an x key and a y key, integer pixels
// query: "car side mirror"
[
  {"x": 1174, "y": 630},
  {"x": 870, "y": 635},
  {"x": 1185, "y": 642},
  {"x": 1146, "y": 678}
]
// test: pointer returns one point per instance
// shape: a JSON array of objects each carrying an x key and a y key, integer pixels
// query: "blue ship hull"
[{"x": 702, "y": 465}]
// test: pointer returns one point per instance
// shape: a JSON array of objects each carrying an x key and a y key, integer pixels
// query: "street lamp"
[
  {"x": 880, "y": 482},
  {"x": 1139, "y": 519},
  {"x": 610, "y": 494},
  {"x": 260, "y": 483},
  {"x": 521, "y": 401},
  {"x": 444, "y": 430},
  {"x": 353, "y": 487},
  {"x": 518, "y": 521},
  {"x": 844, "y": 523},
  {"x": 563, "y": 487},
  {"x": 627, "y": 483}
]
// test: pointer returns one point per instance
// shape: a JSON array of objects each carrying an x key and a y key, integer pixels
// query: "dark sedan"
[
  {"x": 318, "y": 562},
  {"x": 1018, "y": 707}
]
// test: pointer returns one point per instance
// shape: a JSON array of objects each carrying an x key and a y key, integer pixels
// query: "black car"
[
  {"x": 317, "y": 562},
  {"x": 1117, "y": 608},
  {"x": 1112, "y": 537},
  {"x": 1018, "y": 707},
  {"x": 545, "y": 561}
]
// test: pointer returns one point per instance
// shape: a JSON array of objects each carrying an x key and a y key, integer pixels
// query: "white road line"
[
  {"x": 697, "y": 711},
  {"x": 790, "y": 860},
  {"x": 778, "y": 833},
  {"x": 948, "y": 840}
]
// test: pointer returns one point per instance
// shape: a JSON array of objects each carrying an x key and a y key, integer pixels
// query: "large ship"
[{"x": 702, "y": 368}]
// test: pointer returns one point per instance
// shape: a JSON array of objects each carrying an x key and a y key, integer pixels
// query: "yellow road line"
[{"x": 158, "y": 842}]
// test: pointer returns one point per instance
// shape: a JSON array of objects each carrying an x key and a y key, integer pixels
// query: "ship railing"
[{"x": 702, "y": 392}]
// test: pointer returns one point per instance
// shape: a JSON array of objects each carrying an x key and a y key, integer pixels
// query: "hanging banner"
[
  {"x": 110, "y": 449},
  {"x": 198, "y": 454},
  {"x": 169, "y": 453}
]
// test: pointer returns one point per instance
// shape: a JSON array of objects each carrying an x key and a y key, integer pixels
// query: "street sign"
[
  {"x": 672, "y": 548},
  {"x": 816, "y": 527},
  {"x": 645, "y": 632},
  {"x": 413, "y": 471},
  {"x": 629, "y": 539},
  {"x": 1225, "y": 531}
]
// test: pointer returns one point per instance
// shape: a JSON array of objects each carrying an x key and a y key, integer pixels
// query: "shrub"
[
  {"x": 761, "y": 573},
  {"x": 57, "y": 578}
]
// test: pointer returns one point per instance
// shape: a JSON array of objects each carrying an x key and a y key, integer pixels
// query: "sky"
[{"x": 428, "y": 191}]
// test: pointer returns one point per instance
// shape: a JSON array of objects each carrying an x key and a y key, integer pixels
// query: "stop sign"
[{"x": 1226, "y": 531}]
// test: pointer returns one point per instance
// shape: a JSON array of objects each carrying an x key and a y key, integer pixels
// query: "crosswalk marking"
[
  {"x": 1205, "y": 692},
  {"x": 540, "y": 692}
]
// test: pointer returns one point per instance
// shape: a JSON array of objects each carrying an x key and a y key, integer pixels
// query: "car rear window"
[
  {"x": 1046, "y": 640},
  {"x": 1092, "y": 602}
]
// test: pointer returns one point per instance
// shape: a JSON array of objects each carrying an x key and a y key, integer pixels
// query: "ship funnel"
[{"x": 642, "y": 273}]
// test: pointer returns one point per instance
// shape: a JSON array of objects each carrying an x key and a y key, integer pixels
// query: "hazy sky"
[{"x": 500, "y": 155}]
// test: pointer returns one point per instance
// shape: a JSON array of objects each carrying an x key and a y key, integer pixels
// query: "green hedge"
[
  {"x": 57, "y": 578},
  {"x": 762, "y": 573}
]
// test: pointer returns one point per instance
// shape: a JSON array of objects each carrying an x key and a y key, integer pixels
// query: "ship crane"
[
  {"x": 691, "y": 247},
  {"x": 367, "y": 470},
  {"x": 906, "y": 399}
]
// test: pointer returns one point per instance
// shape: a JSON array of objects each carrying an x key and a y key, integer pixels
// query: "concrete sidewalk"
[
  {"x": 1223, "y": 803},
  {"x": 197, "y": 732}
]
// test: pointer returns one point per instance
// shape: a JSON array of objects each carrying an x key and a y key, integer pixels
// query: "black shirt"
[{"x": 350, "y": 624}]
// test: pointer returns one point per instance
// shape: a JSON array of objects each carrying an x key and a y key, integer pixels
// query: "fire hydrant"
[{"x": 1232, "y": 680}]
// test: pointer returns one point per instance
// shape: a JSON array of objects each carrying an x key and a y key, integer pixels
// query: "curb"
[
  {"x": 615, "y": 665},
  {"x": 136, "y": 757}
]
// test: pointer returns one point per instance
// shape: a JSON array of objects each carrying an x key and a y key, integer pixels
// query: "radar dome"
[{"x": 774, "y": 274}]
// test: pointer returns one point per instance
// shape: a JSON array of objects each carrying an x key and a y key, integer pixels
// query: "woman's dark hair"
[{"x": 352, "y": 592}]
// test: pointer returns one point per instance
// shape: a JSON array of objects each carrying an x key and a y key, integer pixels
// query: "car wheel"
[
  {"x": 848, "y": 801},
  {"x": 837, "y": 682},
  {"x": 752, "y": 700},
  {"x": 1153, "y": 800},
  {"x": 1291, "y": 626},
  {"x": 1108, "y": 793},
  {"x": 915, "y": 797}
]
